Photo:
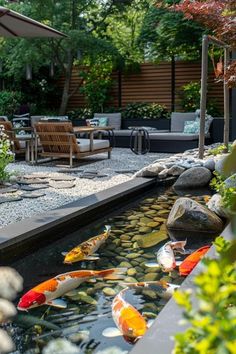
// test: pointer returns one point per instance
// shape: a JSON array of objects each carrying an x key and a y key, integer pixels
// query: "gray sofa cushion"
[
  {"x": 114, "y": 119},
  {"x": 174, "y": 136},
  {"x": 178, "y": 119}
]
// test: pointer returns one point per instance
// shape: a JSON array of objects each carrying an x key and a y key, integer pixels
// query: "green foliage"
[
  {"x": 190, "y": 99},
  {"x": 213, "y": 321},
  {"x": 166, "y": 34},
  {"x": 145, "y": 111},
  {"x": 6, "y": 155},
  {"x": 9, "y": 102},
  {"x": 97, "y": 82},
  {"x": 219, "y": 150},
  {"x": 81, "y": 113}
]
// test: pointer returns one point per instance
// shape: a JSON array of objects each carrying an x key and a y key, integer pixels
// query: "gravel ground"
[{"x": 116, "y": 169}]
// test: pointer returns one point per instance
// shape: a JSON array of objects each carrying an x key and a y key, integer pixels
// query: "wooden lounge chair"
[{"x": 59, "y": 140}]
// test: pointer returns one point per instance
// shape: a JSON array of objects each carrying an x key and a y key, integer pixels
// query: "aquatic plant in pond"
[
  {"x": 6, "y": 155},
  {"x": 137, "y": 233}
]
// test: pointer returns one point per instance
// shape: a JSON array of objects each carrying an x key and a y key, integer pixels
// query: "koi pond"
[{"x": 89, "y": 310}]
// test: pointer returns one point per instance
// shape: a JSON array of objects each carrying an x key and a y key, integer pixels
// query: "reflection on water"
[{"x": 89, "y": 307}]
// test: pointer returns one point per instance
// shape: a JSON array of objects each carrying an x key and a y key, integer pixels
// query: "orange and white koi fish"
[
  {"x": 86, "y": 250},
  {"x": 163, "y": 289},
  {"x": 165, "y": 255},
  {"x": 129, "y": 321},
  {"x": 48, "y": 292}
]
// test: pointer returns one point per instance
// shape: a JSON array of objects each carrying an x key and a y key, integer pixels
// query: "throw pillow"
[
  {"x": 191, "y": 127},
  {"x": 208, "y": 121},
  {"x": 97, "y": 122}
]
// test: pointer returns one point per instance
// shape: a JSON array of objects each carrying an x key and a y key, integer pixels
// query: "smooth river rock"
[
  {"x": 195, "y": 177},
  {"x": 215, "y": 204},
  {"x": 189, "y": 215}
]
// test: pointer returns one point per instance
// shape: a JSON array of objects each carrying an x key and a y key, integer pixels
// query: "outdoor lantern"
[{"x": 28, "y": 72}]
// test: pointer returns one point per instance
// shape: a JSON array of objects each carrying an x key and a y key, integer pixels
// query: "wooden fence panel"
[{"x": 151, "y": 84}]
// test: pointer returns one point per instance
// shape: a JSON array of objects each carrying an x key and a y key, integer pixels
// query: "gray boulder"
[
  {"x": 176, "y": 170},
  {"x": 220, "y": 166},
  {"x": 210, "y": 164},
  {"x": 150, "y": 170},
  {"x": 230, "y": 182},
  {"x": 189, "y": 215},
  {"x": 193, "y": 178},
  {"x": 163, "y": 173},
  {"x": 215, "y": 204}
]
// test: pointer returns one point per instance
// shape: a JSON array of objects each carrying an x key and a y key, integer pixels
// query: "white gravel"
[{"x": 121, "y": 159}]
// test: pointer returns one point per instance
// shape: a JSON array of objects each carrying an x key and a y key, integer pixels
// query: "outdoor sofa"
[{"x": 172, "y": 140}]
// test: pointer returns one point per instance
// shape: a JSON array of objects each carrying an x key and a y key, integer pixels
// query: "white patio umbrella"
[{"x": 13, "y": 24}]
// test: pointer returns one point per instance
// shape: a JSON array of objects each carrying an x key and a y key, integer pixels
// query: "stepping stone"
[
  {"x": 29, "y": 188},
  {"x": 7, "y": 200},
  {"x": 71, "y": 170},
  {"x": 37, "y": 175},
  {"x": 125, "y": 171},
  {"x": 32, "y": 195},
  {"x": 92, "y": 172},
  {"x": 6, "y": 190},
  {"x": 88, "y": 176},
  {"x": 100, "y": 175},
  {"x": 31, "y": 181},
  {"x": 61, "y": 185},
  {"x": 63, "y": 178}
]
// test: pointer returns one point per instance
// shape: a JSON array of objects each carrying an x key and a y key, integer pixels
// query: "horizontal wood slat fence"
[{"x": 153, "y": 83}]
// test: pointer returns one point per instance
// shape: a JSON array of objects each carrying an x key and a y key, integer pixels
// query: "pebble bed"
[
  {"x": 89, "y": 307},
  {"x": 118, "y": 169}
]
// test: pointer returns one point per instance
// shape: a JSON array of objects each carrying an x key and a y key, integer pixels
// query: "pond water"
[{"x": 89, "y": 306}]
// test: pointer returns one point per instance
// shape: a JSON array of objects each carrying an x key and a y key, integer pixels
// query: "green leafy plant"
[
  {"x": 81, "y": 113},
  {"x": 190, "y": 99},
  {"x": 9, "y": 101},
  {"x": 145, "y": 111},
  {"x": 97, "y": 82},
  {"x": 213, "y": 321},
  {"x": 220, "y": 150},
  {"x": 6, "y": 155}
]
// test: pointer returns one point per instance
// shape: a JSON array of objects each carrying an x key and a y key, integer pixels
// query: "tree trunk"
[{"x": 66, "y": 88}]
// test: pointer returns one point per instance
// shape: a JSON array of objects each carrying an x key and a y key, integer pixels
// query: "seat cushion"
[
  {"x": 178, "y": 119},
  {"x": 174, "y": 136},
  {"x": 84, "y": 144}
]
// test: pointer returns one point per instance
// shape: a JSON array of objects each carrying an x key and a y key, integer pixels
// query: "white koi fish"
[{"x": 165, "y": 255}]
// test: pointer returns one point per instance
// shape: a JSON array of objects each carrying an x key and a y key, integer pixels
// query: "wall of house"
[{"x": 153, "y": 83}]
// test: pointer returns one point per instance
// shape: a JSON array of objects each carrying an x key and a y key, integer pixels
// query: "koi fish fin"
[
  {"x": 150, "y": 322},
  {"x": 91, "y": 258},
  {"x": 111, "y": 332},
  {"x": 108, "y": 229},
  {"x": 91, "y": 281},
  {"x": 57, "y": 303},
  {"x": 152, "y": 265},
  {"x": 111, "y": 274},
  {"x": 64, "y": 253},
  {"x": 178, "y": 263}
]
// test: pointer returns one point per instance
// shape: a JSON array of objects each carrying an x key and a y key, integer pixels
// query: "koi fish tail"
[
  {"x": 111, "y": 274},
  {"x": 133, "y": 285},
  {"x": 107, "y": 229}
]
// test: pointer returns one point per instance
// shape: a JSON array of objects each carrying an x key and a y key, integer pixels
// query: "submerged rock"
[
  {"x": 109, "y": 291},
  {"x": 152, "y": 239},
  {"x": 190, "y": 215},
  {"x": 195, "y": 177}
]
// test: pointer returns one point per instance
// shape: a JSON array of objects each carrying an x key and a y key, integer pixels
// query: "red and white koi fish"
[
  {"x": 130, "y": 323},
  {"x": 86, "y": 250},
  {"x": 165, "y": 255},
  {"x": 163, "y": 289},
  {"x": 48, "y": 292}
]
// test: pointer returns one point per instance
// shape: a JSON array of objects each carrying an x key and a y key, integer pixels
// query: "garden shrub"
[
  {"x": 145, "y": 111},
  {"x": 9, "y": 102},
  {"x": 6, "y": 155},
  {"x": 80, "y": 113},
  {"x": 190, "y": 99}
]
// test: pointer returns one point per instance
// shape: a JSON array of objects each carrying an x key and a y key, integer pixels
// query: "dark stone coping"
[
  {"x": 20, "y": 238},
  {"x": 158, "y": 338}
]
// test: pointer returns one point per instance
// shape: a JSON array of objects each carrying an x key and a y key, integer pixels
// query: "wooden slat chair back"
[
  {"x": 8, "y": 127},
  {"x": 57, "y": 138}
]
